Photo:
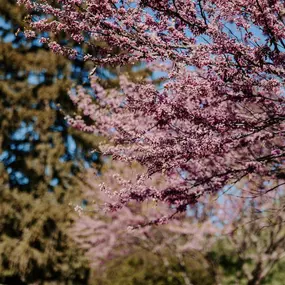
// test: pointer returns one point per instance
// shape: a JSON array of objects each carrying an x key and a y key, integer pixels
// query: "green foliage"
[
  {"x": 146, "y": 268},
  {"x": 277, "y": 275},
  {"x": 41, "y": 160},
  {"x": 34, "y": 244},
  {"x": 231, "y": 265}
]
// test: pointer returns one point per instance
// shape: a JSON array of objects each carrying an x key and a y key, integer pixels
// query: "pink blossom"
[{"x": 217, "y": 115}]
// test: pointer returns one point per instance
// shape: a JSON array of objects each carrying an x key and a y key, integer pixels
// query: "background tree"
[{"x": 41, "y": 159}]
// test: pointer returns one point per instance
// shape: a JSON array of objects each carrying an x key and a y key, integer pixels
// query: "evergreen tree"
[{"x": 41, "y": 159}]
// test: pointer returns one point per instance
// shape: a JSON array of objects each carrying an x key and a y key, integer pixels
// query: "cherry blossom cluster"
[{"x": 218, "y": 115}]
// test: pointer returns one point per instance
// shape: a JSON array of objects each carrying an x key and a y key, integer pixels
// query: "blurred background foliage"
[
  {"x": 147, "y": 268},
  {"x": 42, "y": 162},
  {"x": 41, "y": 159}
]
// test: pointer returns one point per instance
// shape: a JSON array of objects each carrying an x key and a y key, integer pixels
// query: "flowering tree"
[
  {"x": 247, "y": 232},
  {"x": 219, "y": 114},
  {"x": 119, "y": 235},
  {"x": 106, "y": 236}
]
